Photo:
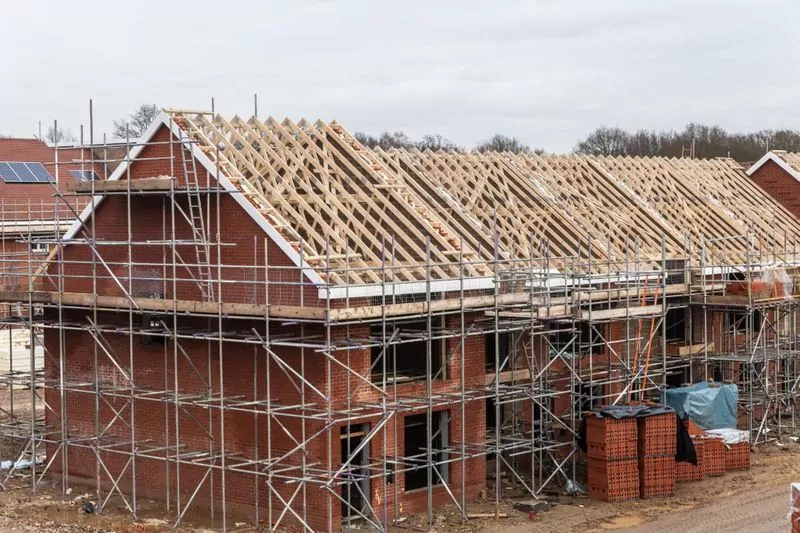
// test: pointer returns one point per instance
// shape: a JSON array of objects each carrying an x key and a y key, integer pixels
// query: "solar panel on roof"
[
  {"x": 7, "y": 174},
  {"x": 25, "y": 175},
  {"x": 22, "y": 172},
  {"x": 39, "y": 172}
]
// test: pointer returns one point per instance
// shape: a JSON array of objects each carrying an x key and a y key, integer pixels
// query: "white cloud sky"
[{"x": 546, "y": 71}]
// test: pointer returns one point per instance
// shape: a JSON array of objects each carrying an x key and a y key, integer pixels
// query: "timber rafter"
[{"x": 332, "y": 200}]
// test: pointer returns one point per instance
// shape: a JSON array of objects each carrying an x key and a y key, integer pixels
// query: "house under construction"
[{"x": 265, "y": 321}]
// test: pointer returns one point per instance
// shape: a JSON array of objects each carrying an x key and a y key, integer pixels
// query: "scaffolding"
[
  {"x": 751, "y": 335},
  {"x": 240, "y": 388}
]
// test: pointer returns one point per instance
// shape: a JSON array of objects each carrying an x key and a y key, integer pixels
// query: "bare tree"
[
  {"x": 437, "y": 142},
  {"x": 387, "y": 140},
  {"x": 134, "y": 126},
  {"x": 788, "y": 140},
  {"x": 59, "y": 136},
  {"x": 605, "y": 141},
  {"x": 366, "y": 140},
  {"x": 397, "y": 139},
  {"x": 502, "y": 143}
]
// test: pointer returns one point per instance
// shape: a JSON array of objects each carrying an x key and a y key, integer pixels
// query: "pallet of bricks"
[
  {"x": 688, "y": 471},
  {"x": 657, "y": 437},
  {"x": 631, "y": 452},
  {"x": 612, "y": 465},
  {"x": 718, "y": 451}
]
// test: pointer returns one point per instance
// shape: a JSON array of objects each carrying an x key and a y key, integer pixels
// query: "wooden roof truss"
[
  {"x": 664, "y": 188},
  {"x": 366, "y": 216},
  {"x": 328, "y": 200},
  {"x": 484, "y": 194},
  {"x": 608, "y": 212},
  {"x": 724, "y": 183}
]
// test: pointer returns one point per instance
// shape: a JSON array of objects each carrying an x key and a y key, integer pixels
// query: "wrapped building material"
[{"x": 708, "y": 407}]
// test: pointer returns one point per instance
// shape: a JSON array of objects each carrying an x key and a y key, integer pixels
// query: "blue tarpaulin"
[{"x": 710, "y": 407}]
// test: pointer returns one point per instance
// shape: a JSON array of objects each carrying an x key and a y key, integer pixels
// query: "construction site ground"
[{"x": 755, "y": 501}]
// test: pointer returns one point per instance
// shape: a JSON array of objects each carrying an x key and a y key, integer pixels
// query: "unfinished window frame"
[
  {"x": 504, "y": 343},
  {"x": 735, "y": 321},
  {"x": 415, "y": 475},
  {"x": 346, "y": 433},
  {"x": 596, "y": 334},
  {"x": 680, "y": 324},
  {"x": 396, "y": 351},
  {"x": 152, "y": 321}
]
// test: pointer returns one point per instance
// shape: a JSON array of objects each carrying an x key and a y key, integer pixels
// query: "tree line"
[
  {"x": 695, "y": 140},
  {"x": 434, "y": 141}
]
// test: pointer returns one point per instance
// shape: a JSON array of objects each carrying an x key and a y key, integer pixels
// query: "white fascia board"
[
  {"x": 771, "y": 156},
  {"x": 553, "y": 279},
  {"x": 563, "y": 281},
  {"x": 730, "y": 269},
  {"x": 165, "y": 120},
  {"x": 409, "y": 287}
]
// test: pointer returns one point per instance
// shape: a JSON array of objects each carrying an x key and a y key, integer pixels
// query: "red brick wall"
[
  {"x": 149, "y": 218},
  {"x": 35, "y": 202},
  {"x": 346, "y": 386},
  {"x": 156, "y": 368},
  {"x": 780, "y": 185},
  {"x": 16, "y": 261}
]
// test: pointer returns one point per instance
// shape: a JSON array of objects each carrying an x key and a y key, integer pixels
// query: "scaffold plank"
[
  {"x": 622, "y": 312},
  {"x": 158, "y": 183},
  {"x": 162, "y": 305}
]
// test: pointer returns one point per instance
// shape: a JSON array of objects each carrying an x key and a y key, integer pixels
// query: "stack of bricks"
[
  {"x": 613, "y": 470},
  {"x": 691, "y": 428},
  {"x": 688, "y": 471},
  {"x": 794, "y": 499},
  {"x": 714, "y": 456},
  {"x": 737, "y": 456},
  {"x": 656, "y": 446}
]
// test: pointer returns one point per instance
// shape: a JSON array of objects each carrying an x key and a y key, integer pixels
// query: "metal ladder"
[{"x": 202, "y": 248}]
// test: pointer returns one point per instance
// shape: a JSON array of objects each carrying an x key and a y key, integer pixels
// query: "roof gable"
[
  {"x": 780, "y": 158},
  {"x": 164, "y": 120}
]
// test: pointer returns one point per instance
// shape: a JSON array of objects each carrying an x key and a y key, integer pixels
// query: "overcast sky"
[{"x": 546, "y": 71}]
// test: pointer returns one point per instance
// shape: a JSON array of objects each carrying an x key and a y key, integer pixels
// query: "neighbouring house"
[
  {"x": 32, "y": 216},
  {"x": 778, "y": 173}
]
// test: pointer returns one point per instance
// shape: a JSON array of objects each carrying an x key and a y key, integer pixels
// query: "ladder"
[{"x": 198, "y": 223}]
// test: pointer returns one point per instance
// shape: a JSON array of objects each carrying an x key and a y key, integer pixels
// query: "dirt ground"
[{"x": 754, "y": 501}]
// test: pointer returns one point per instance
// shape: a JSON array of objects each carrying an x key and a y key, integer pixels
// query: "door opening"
[{"x": 355, "y": 490}]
